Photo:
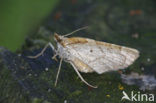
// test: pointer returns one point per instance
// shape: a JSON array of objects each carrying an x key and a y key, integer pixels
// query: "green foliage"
[{"x": 21, "y": 17}]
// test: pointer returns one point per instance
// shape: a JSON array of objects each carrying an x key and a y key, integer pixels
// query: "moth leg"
[
  {"x": 81, "y": 76},
  {"x": 54, "y": 57},
  {"x": 58, "y": 72},
  {"x": 43, "y": 50}
]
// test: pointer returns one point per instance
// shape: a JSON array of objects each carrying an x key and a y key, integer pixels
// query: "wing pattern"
[{"x": 103, "y": 57}]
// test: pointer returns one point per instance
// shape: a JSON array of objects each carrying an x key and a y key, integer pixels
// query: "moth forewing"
[
  {"x": 130, "y": 54},
  {"x": 100, "y": 56}
]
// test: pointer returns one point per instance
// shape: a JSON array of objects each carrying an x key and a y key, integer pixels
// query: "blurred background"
[
  {"x": 27, "y": 26},
  {"x": 21, "y": 18}
]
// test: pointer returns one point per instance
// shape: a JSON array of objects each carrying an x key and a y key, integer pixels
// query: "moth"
[{"x": 88, "y": 55}]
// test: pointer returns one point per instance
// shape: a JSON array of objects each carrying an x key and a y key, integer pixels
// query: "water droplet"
[
  {"x": 30, "y": 74},
  {"x": 46, "y": 69},
  {"x": 148, "y": 59}
]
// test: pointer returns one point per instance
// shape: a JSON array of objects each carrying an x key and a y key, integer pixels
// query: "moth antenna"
[
  {"x": 82, "y": 77},
  {"x": 76, "y": 31},
  {"x": 58, "y": 72}
]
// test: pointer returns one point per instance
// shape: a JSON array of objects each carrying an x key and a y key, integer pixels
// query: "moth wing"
[
  {"x": 81, "y": 66},
  {"x": 102, "y": 56}
]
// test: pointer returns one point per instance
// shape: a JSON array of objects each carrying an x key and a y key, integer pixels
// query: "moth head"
[{"x": 58, "y": 38}]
